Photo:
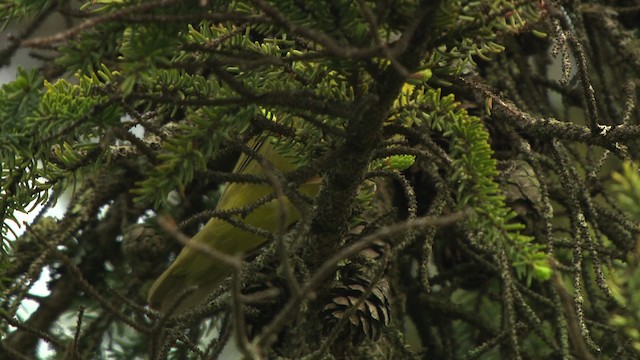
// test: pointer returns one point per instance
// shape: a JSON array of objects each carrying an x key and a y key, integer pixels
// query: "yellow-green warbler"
[{"x": 194, "y": 267}]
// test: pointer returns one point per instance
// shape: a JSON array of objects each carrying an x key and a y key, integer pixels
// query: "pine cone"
[
  {"x": 142, "y": 246},
  {"x": 371, "y": 316}
]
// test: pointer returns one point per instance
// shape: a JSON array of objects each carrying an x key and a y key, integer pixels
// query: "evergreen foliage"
[{"x": 489, "y": 214}]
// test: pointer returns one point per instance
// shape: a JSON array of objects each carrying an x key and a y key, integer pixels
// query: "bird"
[{"x": 193, "y": 267}]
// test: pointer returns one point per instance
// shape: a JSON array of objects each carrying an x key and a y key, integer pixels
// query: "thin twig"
[
  {"x": 281, "y": 247},
  {"x": 84, "y": 284},
  {"x": 327, "y": 268},
  {"x": 234, "y": 262}
]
